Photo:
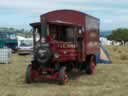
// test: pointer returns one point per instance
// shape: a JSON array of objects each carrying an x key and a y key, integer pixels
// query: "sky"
[{"x": 19, "y": 13}]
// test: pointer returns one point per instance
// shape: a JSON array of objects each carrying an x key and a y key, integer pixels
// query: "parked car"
[{"x": 26, "y": 47}]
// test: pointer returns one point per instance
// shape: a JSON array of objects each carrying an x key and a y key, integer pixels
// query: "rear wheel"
[
  {"x": 90, "y": 66},
  {"x": 63, "y": 78},
  {"x": 28, "y": 74}
]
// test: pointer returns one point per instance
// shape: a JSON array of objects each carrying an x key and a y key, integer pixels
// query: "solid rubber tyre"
[{"x": 28, "y": 74}]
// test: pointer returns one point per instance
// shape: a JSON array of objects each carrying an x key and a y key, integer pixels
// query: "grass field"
[
  {"x": 108, "y": 80},
  {"x": 118, "y": 54}
]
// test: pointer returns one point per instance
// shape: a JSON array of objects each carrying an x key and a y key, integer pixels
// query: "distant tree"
[{"x": 120, "y": 34}]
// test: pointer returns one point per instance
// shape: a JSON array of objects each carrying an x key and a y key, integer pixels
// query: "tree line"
[
  {"x": 20, "y": 32},
  {"x": 120, "y": 34}
]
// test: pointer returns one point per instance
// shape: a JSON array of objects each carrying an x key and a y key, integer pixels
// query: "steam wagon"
[{"x": 63, "y": 40}]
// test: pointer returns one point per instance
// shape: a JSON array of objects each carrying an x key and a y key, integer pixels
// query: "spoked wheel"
[
  {"x": 63, "y": 78},
  {"x": 28, "y": 74},
  {"x": 91, "y": 64}
]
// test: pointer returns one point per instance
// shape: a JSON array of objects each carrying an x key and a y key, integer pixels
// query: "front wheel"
[
  {"x": 90, "y": 66},
  {"x": 63, "y": 78},
  {"x": 28, "y": 74}
]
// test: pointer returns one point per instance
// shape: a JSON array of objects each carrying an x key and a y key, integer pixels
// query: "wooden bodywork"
[{"x": 89, "y": 26}]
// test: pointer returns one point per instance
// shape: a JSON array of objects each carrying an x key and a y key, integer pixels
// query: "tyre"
[
  {"x": 63, "y": 78},
  {"x": 28, "y": 74},
  {"x": 90, "y": 66}
]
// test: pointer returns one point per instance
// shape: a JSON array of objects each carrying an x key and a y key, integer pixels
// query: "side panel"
[
  {"x": 92, "y": 35},
  {"x": 65, "y": 16}
]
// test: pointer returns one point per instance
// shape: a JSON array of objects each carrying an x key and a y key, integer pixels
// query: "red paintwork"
[
  {"x": 93, "y": 65},
  {"x": 93, "y": 49},
  {"x": 69, "y": 16},
  {"x": 66, "y": 54},
  {"x": 70, "y": 55},
  {"x": 49, "y": 77},
  {"x": 36, "y": 74},
  {"x": 76, "y": 18}
]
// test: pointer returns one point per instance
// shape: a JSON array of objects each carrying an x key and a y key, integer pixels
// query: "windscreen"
[{"x": 62, "y": 33}]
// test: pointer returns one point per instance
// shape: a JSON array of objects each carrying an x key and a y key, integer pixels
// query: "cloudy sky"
[{"x": 19, "y": 13}]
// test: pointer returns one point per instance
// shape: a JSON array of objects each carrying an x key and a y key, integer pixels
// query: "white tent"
[
  {"x": 105, "y": 41},
  {"x": 20, "y": 39}
]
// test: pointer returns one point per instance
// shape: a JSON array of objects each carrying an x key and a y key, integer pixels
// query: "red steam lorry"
[{"x": 63, "y": 40}]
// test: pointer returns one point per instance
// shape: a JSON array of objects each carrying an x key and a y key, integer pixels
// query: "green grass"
[{"x": 108, "y": 80}]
